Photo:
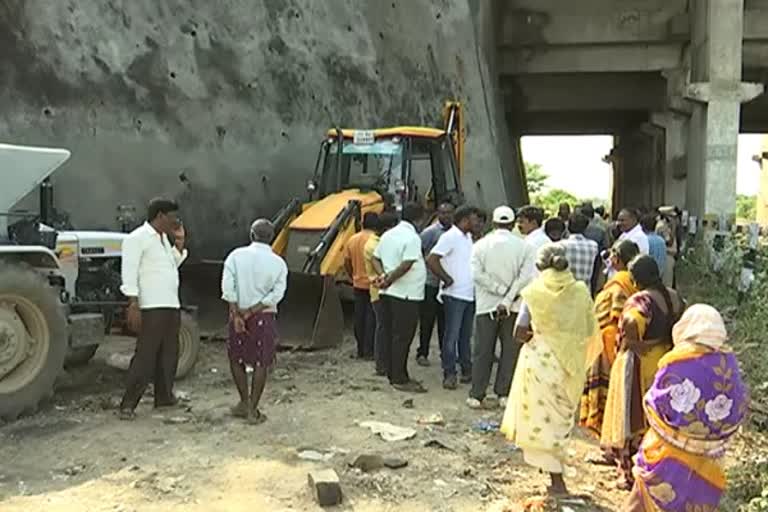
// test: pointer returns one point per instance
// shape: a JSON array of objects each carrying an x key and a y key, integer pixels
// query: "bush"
[{"x": 747, "y": 321}]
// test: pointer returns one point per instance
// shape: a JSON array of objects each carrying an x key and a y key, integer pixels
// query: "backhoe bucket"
[{"x": 310, "y": 316}]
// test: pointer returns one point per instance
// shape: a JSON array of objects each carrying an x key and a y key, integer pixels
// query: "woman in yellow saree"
[
  {"x": 645, "y": 331},
  {"x": 561, "y": 340},
  {"x": 609, "y": 304}
]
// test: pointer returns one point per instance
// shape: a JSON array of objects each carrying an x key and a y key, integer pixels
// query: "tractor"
[{"x": 59, "y": 290}]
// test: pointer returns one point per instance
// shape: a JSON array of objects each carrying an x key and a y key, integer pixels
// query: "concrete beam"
[
  {"x": 574, "y": 122},
  {"x": 590, "y": 58},
  {"x": 584, "y": 92},
  {"x": 593, "y": 22},
  {"x": 736, "y": 92}
]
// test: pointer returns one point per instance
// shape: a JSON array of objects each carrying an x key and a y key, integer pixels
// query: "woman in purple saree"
[{"x": 696, "y": 403}]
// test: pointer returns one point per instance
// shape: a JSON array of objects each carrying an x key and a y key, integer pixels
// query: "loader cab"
[{"x": 402, "y": 164}]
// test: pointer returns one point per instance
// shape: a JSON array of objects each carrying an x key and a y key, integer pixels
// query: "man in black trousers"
[
  {"x": 431, "y": 309},
  {"x": 150, "y": 278},
  {"x": 399, "y": 263}
]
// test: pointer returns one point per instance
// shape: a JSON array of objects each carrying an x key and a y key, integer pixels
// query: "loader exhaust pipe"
[{"x": 46, "y": 202}]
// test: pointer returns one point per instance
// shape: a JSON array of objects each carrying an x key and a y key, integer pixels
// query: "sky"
[{"x": 574, "y": 163}]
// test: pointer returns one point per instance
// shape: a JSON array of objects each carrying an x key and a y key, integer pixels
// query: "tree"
[
  {"x": 746, "y": 207},
  {"x": 536, "y": 178},
  {"x": 552, "y": 199}
]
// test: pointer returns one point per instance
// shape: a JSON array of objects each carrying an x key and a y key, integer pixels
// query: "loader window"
[
  {"x": 446, "y": 176},
  {"x": 420, "y": 179},
  {"x": 365, "y": 166}
]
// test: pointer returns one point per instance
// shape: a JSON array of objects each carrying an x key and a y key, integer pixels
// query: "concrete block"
[{"x": 325, "y": 486}]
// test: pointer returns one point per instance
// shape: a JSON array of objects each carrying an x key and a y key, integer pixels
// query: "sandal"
[
  {"x": 126, "y": 415},
  {"x": 258, "y": 419},
  {"x": 599, "y": 460}
]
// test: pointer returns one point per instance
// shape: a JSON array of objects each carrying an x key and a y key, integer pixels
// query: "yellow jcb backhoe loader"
[{"x": 357, "y": 171}]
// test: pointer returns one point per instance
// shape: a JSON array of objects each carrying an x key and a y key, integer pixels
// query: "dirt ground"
[{"x": 75, "y": 455}]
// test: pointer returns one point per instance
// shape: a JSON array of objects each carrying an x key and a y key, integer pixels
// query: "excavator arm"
[{"x": 453, "y": 120}]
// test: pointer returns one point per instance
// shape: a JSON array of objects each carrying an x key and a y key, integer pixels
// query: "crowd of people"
[
  {"x": 590, "y": 328},
  {"x": 583, "y": 312}
]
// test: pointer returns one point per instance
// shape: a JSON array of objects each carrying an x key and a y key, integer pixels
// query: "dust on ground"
[{"x": 75, "y": 455}]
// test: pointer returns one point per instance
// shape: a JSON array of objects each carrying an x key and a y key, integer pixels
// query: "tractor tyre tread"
[{"x": 24, "y": 281}]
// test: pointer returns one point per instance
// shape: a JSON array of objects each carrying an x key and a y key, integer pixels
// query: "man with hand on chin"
[
  {"x": 399, "y": 263},
  {"x": 150, "y": 276}
]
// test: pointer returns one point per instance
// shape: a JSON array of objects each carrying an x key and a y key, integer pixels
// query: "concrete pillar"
[
  {"x": 638, "y": 163},
  {"x": 675, "y": 122},
  {"x": 717, "y": 92},
  {"x": 675, "y": 127}
]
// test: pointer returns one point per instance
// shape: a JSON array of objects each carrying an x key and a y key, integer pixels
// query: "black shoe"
[
  {"x": 466, "y": 378},
  {"x": 410, "y": 387},
  {"x": 422, "y": 361},
  {"x": 449, "y": 382}
]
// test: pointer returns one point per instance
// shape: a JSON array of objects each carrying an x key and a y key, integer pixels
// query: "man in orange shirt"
[{"x": 354, "y": 263}]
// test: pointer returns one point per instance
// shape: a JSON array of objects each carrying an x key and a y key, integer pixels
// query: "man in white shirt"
[
  {"x": 399, "y": 264},
  {"x": 253, "y": 283},
  {"x": 530, "y": 221},
  {"x": 500, "y": 270},
  {"x": 629, "y": 223},
  {"x": 531, "y": 224},
  {"x": 150, "y": 278},
  {"x": 450, "y": 262}
]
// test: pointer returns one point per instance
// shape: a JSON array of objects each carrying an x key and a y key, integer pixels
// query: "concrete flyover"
[{"x": 674, "y": 81}]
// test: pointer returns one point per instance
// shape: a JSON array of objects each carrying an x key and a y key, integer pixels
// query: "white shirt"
[
  {"x": 399, "y": 244},
  {"x": 637, "y": 235},
  {"x": 455, "y": 251},
  {"x": 537, "y": 239},
  {"x": 254, "y": 275},
  {"x": 500, "y": 269},
  {"x": 150, "y": 268}
]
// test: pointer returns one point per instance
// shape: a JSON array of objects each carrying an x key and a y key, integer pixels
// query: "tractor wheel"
[
  {"x": 33, "y": 340},
  {"x": 79, "y": 356},
  {"x": 189, "y": 345}
]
